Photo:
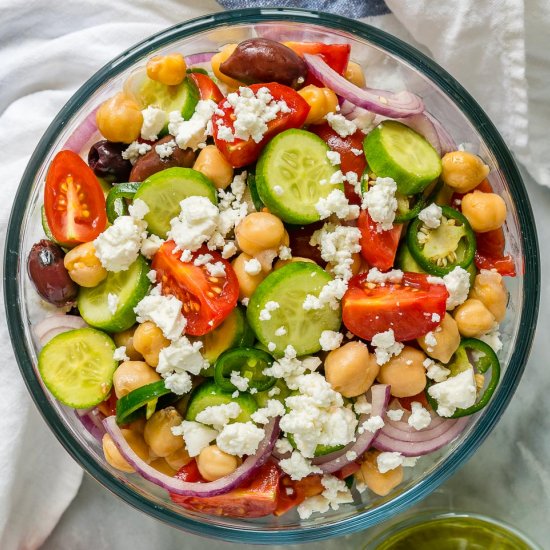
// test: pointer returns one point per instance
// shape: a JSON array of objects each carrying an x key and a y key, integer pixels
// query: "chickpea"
[
  {"x": 149, "y": 341},
  {"x": 247, "y": 283},
  {"x": 213, "y": 463},
  {"x": 259, "y": 231},
  {"x": 282, "y": 263},
  {"x": 126, "y": 339},
  {"x": 355, "y": 266},
  {"x": 484, "y": 211},
  {"x": 350, "y": 369},
  {"x": 354, "y": 73},
  {"x": 490, "y": 289},
  {"x": 447, "y": 337},
  {"x": 158, "y": 434},
  {"x": 83, "y": 265},
  {"x": 163, "y": 467},
  {"x": 473, "y": 318},
  {"x": 178, "y": 459},
  {"x": 214, "y": 166},
  {"x": 137, "y": 425},
  {"x": 119, "y": 119},
  {"x": 405, "y": 373},
  {"x": 167, "y": 69},
  {"x": 321, "y": 101},
  {"x": 378, "y": 483},
  {"x": 463, "y": 171},
  {"x": 113, "y": 456},
  {"x": 218, "y": 59},
  {"x": 131, "y": 375}
]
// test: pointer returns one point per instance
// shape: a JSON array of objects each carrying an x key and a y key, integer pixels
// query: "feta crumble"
[
  {"x": 435, "y": 371},
  {"x": 431, "y": 216},
  {"x": 373, "y": 424},
  {"x": 456, "y": 392},
  {"x": 154, "y": 120},
  {"x": 265, "y": 314},
  {"x": 191, "y": 133},
  {"x": 330, "y": 340},
  {"x": 298, "y": 467},
  {"x": 120, "y": 354},
  {"x": 240, "y": 382},
  {"x": 229, "y": 250},
  {"x": 281, "y": 331},
  {"x": 285, "y": 253},
  {"x": 492, "y": 339},
  {"x": 165, "y": 312},
  {"x": 283, "y": 446},
  {"x": 385, "y": 346},
  {"x": 457, "y": 283},
  {"x": 278, "y": 190},
  {"x": 380, "y": 202},
  {"x": 272, "y": 409},
  {"x": 252, "y": 267},
  {"x": 395, "y": 414},
  {"x": 240, "y": 438},
  {"x": 419, "y": 418},
  {"x": 362, "y": 406},
  {"x": 337, "y": 203},
  {"x": 112, "y": 303},
  {"x": 340, "y": 124},
  {"x": 135, "y": 150},
  {"x": 388, "y": 461},
  {"x": 334, "y": 157},
  {"x": 218, "y": 416},
  {"x": 377, "y": 277},
  {"x": 216, "y": 269},
  {"x": 196, "y": 436},
  {"x": 151, "y": 245},
  {"x": 165, "y": 150}
]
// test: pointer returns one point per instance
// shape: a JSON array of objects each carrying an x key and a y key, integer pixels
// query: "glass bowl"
[{"x": 388, "y": 63}]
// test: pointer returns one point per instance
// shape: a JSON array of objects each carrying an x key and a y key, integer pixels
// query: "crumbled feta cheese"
[
  {"x": 337, "y": 177},
  {"x": 216, "y": 269},
  {"x": 458, "y": 391},
  {"x": 281, "y": 331},
  {"x": 457, "y": 283},
  {"x": 330, "y": 340},
  {"x": 252, "y": 267},
  {"x": 298, "y": 467},
  {"x": 337, "y": 203},
  {"x": 274, "y": 391},
  {"x": 120, "y": 354},
  {"x": 373, "y": 424},
  {"x": 362, "y": 406},
  {"x": 272, "y": 409},
  {"x": 138, "y": 209},
  {"x": 224, "y": 132},
  {"x": 271, "y": 346},
  {"x": 351, "y": 455},
  {"x": 431, "y": 216},
  {"x": 150, "y": 246},
  {"x": 395, "y": 414},
  {"x": 229, "y": 250},
  {"x": 357, "y": 152},
  {"x": 240, "y": 438},
  {"x": 353, "y": 180},
  {"x": 202, "y": 259},
  {"x": 336, "y": 491},
  {"x": 420, "y": 418},
  {"x": 436, "y": 318},
  {"x": 283, "y": 446},
  {"x": 381, "y": 203},
  {"x": 135, "y": 150},
  {"x": 410, "y": 461},
  {"x": 278, "y": 190},
  {"x": 240, "y": 382},
  {"x": 330, "y": 295},
  {"x": 218, "y": 416},
  {"x": 165, "y": 150},
  {"x": 285, "y": 253},
  {"x": 112, "y": 302},
  {"x": 186, "y": 256},
  {"x": 154, "y": 120},
  {"x": 165, "y": 312},
  {"x": 385, "y": 346},
  {"x": 340, "y": 124},
  {"x": 317, "y": 503},
  {"x": 430, "y": 339},
  {"x": 376, "y": 276},
  {"x": 117, "y": 248},
  {"x": 265, "y": 314},
  {"x": 435, "y": 371},
  {"x": 195, "y": 224},
  {"x": 388, "y": 461},
  {"x": 190, "y": 133},
  {"x": 196, "y": 436},
  {"x": 334, "y": 157},
  {"x": 492, "y": 339}
]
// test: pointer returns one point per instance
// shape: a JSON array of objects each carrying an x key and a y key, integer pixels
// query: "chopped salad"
[{"x": 277, "y": 287}]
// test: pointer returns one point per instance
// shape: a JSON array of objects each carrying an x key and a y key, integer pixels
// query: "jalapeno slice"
[
  {"x": 115, "y": 203},
  {"x": 484, "y": 359},
  {"x": 439, "y": 251},
  {"x": 248, "y": 363},
  {"x": 129, "y": 407}
]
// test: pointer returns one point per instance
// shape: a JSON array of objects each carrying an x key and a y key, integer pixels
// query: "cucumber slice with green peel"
[
  {"x": 129, "y": 286},
  {"x": 396, "y": 151},
  {"x": 208, "y": 394},
  {"x": 162, "y": 193},
  {"x": 115, "y": 203},
  {"x": 288, "y": 176},
  {"x": 405, "y": 261},
  {"x": 262, "y": 397},
  {"x": 77, "y": 367},
  {"x": 288, "y": 287}
]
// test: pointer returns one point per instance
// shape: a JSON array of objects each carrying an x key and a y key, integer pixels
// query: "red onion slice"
[
  {"x": 82, "y": 134},
  {"x": 393, "y": 104},
  {"x": 173, "y": 485},
  {"x": 55, "y": 324},
  {"x": 447, "y": 143},
  {"x": 384, "y": 442},
  {"x": 410, "y": 434},
  {"x": 380, "y": 400},
  {"x": 423, "y": 124},
  {"x": 92, "y": 420},
  {"x": 195, "y": 59}
]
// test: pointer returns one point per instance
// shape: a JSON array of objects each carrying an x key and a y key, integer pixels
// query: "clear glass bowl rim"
[{"x": 531, "y": 282}]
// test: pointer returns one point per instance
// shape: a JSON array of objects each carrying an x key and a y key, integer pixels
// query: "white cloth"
[{"x": 497, "y": 49}]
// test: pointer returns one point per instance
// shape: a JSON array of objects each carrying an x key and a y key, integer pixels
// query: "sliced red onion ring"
[
  {"x": 173, "y": 485},
  {"x": 393, "y": 104},
  {"x": 55, "y": 324},
  {"x": 447, "y": 143},
  {"x": 197, "y": 58},
  {"x": 424, "y": 125},
  {"x": 82, "y": 134},
  {"x": 380, "y": 398},
  {"x": 384, "y": 442},
  {"x": 92, "y": 420},
  {"x": 410, "y": 434}
]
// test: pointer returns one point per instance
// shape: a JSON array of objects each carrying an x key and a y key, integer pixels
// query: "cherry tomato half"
[
  {"x": 207, "y": 87},
  {"x": 207, "y": 300},
  {"x": 406, "y": 307},
  {"x": 378, "y": 248},
  {"x": 242, "y": 152},
  {"x": 73, "y": 200},
  {"x": 292, "y": 493}
]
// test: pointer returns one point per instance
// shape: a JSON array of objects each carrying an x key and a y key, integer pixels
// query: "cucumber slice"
[
  {"x": 294, "y": 163},
  {"x": 262, "y": 397},
  {"x": 77, "y": 367},
  {"x": 289, "y": 287},
  {"x": 162, "y": 193},
  {"x": 129, "y": 286},
  {"x": 208, "y": 394},
  {"x": 405, "y": 261},
  {"x": 394, "y": 150}
]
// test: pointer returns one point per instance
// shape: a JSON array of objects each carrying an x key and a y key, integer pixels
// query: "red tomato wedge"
[
  {"x": 208, "y": 89},
  {"x": 73, "y": 200},
  {"x": 242, "y": 152},
  {"x": 292, "y": 493},
  {"x": 349, "y": 161},
  {"x": 258, "y": 498},
  {"x": 406, "y": 307},
  {"x": 421, "y": 398},
  {"x": 378, "y": 248},
  {"x": 207, "y": 300},
  {"x": 335, "y": 56},
  {"x": 348, "y": 470}
]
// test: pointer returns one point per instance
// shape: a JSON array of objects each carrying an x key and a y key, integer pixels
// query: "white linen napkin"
[{"x": 496, "y": 49}]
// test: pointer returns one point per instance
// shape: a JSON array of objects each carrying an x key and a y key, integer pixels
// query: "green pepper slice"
[
  {"x": 248, "y": 362},
  {"x": 251, "y": 182},
  {"x": 141, "y": 397},
  {"x": 439, "y": 251},
  {"x": 484, "y": 358},
  {"x": 115, "y": 203}
]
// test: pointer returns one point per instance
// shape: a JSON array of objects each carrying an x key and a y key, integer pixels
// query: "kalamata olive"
[
  {"x": 151, "y": 163},
  {"x": 299, "y": 242},
  {"x": 48, "y": 274},
  {"x": 105, "y": 159},
  {"x": 262, "y": 60}
]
